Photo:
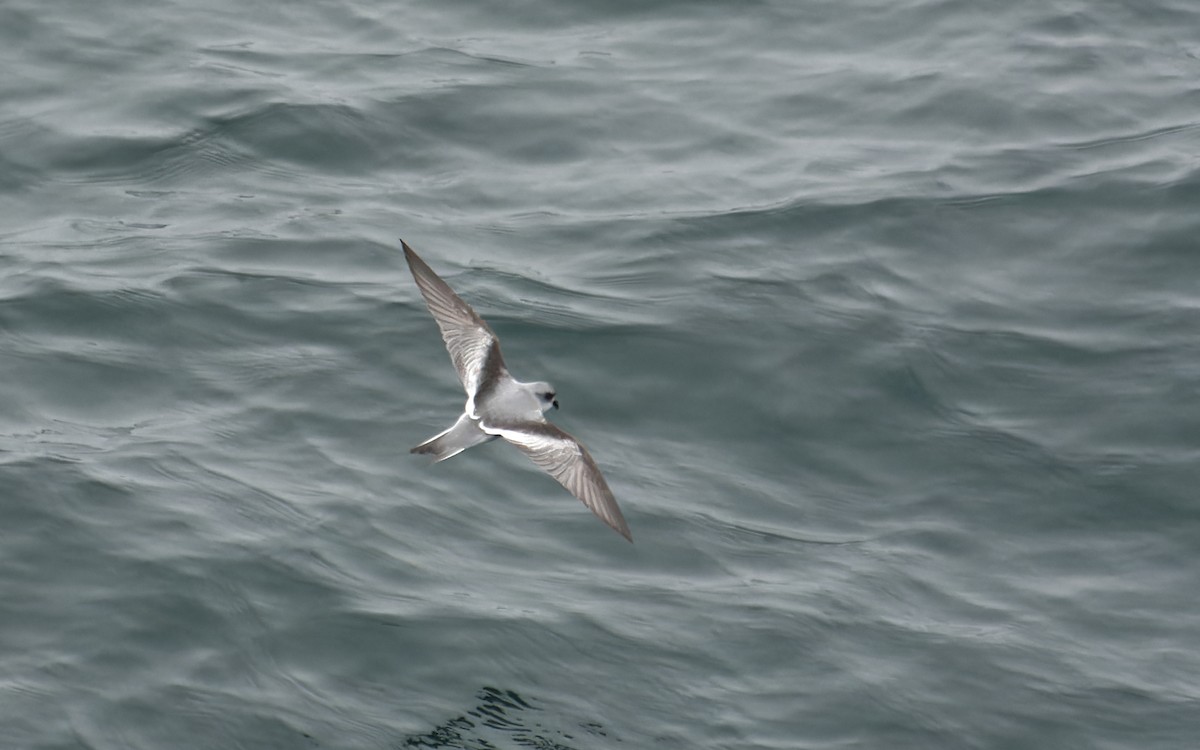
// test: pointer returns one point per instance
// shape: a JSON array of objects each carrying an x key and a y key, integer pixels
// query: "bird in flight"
[{"x": 500, "y": 406}]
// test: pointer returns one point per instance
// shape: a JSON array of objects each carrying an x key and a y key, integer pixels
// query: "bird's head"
[{"x": 546, "y": 395}]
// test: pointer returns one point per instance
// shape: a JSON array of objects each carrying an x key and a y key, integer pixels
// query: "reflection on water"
[{"x": 502, "y": 719}]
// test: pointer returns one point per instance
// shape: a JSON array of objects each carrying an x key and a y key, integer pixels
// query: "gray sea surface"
[{"x": 882, "y": 320}]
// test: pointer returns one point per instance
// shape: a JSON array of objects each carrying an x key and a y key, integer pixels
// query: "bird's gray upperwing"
[
  {"x": 474, "y": 349},
  {"x": 564, "y": 458}
]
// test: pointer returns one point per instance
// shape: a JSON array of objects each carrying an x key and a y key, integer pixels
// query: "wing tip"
[{"x": 619, "y": 524}]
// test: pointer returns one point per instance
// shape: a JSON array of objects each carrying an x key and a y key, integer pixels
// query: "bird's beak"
[{"x": 555, "y": 403}]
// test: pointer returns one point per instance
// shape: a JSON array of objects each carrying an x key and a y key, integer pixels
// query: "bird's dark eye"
[{"x": 549, "y": 396}]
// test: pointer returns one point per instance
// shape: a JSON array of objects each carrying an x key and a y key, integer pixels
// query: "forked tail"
[{"x": 455, "y": 440}]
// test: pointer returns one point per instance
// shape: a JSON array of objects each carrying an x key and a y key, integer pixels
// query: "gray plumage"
[{"x": 500, "y": 406}]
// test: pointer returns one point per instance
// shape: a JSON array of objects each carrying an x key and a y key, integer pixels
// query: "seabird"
[{"x": 500, "y": 406}]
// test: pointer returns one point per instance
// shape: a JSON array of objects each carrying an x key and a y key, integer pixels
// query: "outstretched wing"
[
  {"x": 474, "y": 349},
  {"x": 564, "y": 458}
]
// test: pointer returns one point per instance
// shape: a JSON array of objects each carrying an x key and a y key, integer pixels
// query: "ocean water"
[{"x": 881, "y": 320}]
